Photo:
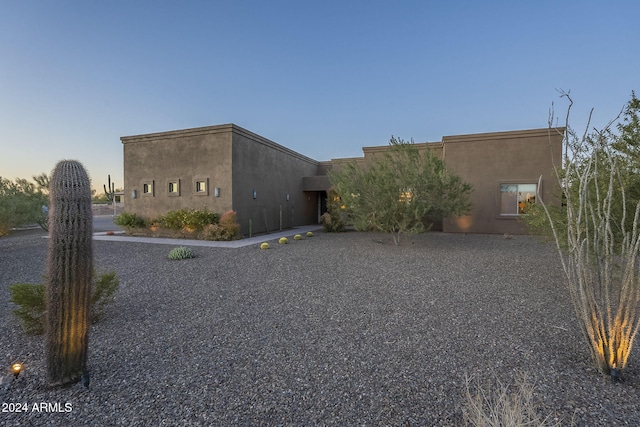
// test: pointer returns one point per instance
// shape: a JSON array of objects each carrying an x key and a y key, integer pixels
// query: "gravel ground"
[{"x": 338, "y": 329}]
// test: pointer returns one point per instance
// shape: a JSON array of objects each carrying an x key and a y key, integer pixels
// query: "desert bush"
[
  {"x": 264, "y": 245},
  {"x": 129, "y": 220},
  {"x": 23, "y": 202},
  {"x": 333, "y": 219},
  {"x": 332, "y": 224},
  {"x": 226, "y": 229},
  {"x": 500, "y": 405},
  {"x": 297, "y": 237},
  {"x": 30, "y": 299},
  {"x": 283, "y": 241},
  {"x": 181, "y": 252},
  {"x": 398, "y": 190},
  {"x": 230, "y": 224},
  {"x": 105, "y": 287},
  {"x": 190, "y": 219}
]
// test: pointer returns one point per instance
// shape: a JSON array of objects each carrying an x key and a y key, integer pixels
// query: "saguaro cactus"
[{"x": 69, "y": 273}]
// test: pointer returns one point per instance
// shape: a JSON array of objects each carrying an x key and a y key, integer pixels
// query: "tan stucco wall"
[
  {"x": 187, "y": 155},
  {"x": 273, "y": 171},
  {"x": 487, "y": 160},
  {"x": 239, "y": 162}
]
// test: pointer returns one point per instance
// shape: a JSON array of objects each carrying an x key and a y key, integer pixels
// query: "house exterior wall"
[
  {"x": 186, "y": 156},
  {"x": 234, "y": 163},
  {"x": 273, "y": 172},
  {"x": 488, "y": 160}
]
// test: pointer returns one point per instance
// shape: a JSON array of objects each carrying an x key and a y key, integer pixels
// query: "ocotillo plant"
[{"x": 69, "y": 273}]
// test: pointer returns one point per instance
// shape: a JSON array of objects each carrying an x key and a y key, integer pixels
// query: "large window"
[{"x": 514, "y": 198}]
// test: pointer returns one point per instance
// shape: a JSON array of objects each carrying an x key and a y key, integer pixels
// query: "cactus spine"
[{"x": 69, "y": 273}]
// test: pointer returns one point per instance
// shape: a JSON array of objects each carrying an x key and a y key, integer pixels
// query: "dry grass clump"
[{"x": 501, "y": 405}]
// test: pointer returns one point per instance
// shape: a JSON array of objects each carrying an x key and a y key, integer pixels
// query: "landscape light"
[{"x": 16, "y": 368}]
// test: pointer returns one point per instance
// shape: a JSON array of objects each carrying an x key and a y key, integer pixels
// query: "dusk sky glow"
[{"x": 322, "y": 78}]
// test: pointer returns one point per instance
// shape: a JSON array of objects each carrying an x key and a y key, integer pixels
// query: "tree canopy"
[
  {"x": 399, "y": 189},
  {"x": 22, "y": 202}
]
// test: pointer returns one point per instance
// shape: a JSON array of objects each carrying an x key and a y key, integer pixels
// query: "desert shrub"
[
  {"x": 332, "y": 223},
  {"x": 297, "y": 237},
  {"x": 283, "y": 241},
  {"x": 181, "y": 252},
  {"x": 264, "y": 245},
  {"x": 129, "y": 220},
  {"x": 498, "y": 404},
  {"x": 190, "y": 219},
  {"x": 31, "y": 302},
  {"x": 226, "y": 229},
  {"x": 230, "y": 224},
  {"x": 105, "y": 287},
  {"x": 30, "y": 299}
]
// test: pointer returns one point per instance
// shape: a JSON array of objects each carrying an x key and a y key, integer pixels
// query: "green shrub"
[
  {"x": 181, "y": 252},
  {"x": 105, "y": 287},
  {"x": 226, "y": 229},
  {"x": 283, "y": 241},
  {"x": 129, "y": 220},
  {"x": 190, "y": 219},
  {"x": 333, "y": 223},
  {"x": 30, "y": 299}
]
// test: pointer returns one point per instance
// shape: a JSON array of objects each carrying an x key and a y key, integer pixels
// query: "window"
[
  {"x": 515, "y": 197},
  {"x": 201, "y": 186},
  {"x": 174, "y": 187},
  {"x": 147, "y": 188}
]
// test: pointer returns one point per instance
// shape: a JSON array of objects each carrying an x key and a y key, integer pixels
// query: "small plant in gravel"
[
  {"x": 181, "y": 252},
  {"x": 264, "y": 245},
  {"x": 297, "y": 237},
  {"x": 498, "y": 404},
  {"x": 283, "y": 241},
  {"x": 30, "y": 299},
  {"x": 309, "y": 234}
]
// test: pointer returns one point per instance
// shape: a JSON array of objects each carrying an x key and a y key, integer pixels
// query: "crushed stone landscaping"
[{"x": 336, "y": 329}]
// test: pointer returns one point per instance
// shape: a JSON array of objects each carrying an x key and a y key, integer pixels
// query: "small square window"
[
  {"x": 201, "y": 186},
  {"x": 174, "y": 187},
  {"x": 147, "y": 188}
]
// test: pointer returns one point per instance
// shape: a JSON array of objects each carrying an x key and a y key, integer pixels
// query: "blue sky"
[{"x": 324, "y": 78}]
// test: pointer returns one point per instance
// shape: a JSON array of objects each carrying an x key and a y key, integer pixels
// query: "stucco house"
[{"x": 226, "y": 167}]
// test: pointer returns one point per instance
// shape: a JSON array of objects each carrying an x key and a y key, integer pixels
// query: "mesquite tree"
[
  {"x": 69, "y": 273},
  {"x": 599, "y": 246},
  {"x": 399, "y": 189}
]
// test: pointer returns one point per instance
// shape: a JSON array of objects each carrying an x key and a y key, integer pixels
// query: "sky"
[{"x": 324, "y": 78}]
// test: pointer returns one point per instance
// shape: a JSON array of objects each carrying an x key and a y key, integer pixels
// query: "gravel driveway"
[{"x": 338, "y": 329}]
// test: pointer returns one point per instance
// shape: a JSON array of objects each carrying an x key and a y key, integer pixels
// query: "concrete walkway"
[{"x": 120, "y": 237}]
